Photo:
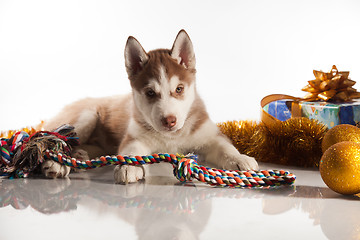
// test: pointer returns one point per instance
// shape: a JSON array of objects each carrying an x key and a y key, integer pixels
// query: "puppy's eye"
[
  {"x": 150, "y": 93},
  {"x": 179, "y": 89}
]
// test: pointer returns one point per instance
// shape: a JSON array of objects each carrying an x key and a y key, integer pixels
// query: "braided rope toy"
[
  {"x": 56, "y": 146},
  {"x": 186, "y": 168}
]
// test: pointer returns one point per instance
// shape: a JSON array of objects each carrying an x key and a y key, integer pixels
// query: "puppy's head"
[{"x": 163, "y": 82}]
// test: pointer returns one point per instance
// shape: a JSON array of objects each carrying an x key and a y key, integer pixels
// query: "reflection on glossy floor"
[{"x": 89, "y": 206}]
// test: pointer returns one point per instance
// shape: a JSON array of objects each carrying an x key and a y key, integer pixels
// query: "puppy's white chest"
[{"x": 169, "y": 145}]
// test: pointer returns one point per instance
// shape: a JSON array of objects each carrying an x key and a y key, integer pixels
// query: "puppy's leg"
[
  {"x": 130, "y": 174},
  {"x": 52, "y": 169},
  {"x": 223, "y": 154},
  {"x": 84, "y": 123}
]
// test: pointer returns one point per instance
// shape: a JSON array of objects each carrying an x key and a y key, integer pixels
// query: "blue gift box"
[{"x": 331, "y": 114}]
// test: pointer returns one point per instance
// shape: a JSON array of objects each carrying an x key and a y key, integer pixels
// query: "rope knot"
[{"x": 184, "y": 169}]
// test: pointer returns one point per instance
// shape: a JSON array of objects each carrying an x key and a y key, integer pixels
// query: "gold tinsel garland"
[
  {"x": 295, "y": 142},
  {"x": 28, "y": 130}
]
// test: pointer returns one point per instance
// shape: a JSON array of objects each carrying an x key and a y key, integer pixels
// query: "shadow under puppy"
[{"x": 164, "y": 113}]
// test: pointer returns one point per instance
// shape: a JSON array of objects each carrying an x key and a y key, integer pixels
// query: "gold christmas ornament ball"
[
  {"x": 340, "y": 133},
  {"x": 340, "y": 167}
]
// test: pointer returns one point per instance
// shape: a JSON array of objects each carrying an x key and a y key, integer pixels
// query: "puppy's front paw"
[
  {"x": 52, "y": 169},
  {"x": 128, "y": 174},
  {"x": 242, "y": 163}
]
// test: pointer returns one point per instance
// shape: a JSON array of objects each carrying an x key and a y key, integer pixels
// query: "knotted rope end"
[{"x": 184, "y": 169}]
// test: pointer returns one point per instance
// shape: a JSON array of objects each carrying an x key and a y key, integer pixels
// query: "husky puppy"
[{"x": 164, "y": 113}]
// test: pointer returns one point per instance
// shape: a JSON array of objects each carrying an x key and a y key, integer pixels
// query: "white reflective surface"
[{"x": 89, "y": 206}]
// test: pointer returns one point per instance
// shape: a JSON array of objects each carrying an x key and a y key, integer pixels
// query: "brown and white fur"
[{"x": 164, "y": 113}]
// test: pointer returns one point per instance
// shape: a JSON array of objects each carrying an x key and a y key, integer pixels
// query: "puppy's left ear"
[{"x": 183, "y": 51}]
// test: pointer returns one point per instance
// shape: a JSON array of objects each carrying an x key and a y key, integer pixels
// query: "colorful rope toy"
[{"x": 21, "y": 154}]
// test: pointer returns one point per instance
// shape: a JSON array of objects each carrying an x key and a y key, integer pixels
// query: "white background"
[{"x": 54, "y": 52}]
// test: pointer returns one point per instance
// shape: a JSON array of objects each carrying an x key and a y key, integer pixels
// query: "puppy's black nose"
[{"x": 169, "y": 121}]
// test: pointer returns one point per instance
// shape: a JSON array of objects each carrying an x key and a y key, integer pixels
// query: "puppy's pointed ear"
[
  {"x": 183, "y": 51},
  {"x": 135, "y": 56}
]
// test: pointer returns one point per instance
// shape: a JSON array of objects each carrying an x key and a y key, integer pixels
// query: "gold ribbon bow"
[{"x": 334, "y": 86}]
